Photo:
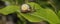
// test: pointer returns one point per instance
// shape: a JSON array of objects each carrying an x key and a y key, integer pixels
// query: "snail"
[{"x": 25, "y": 8}]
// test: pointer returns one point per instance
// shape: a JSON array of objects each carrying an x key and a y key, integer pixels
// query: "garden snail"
[{"x": 25, "y": 8}]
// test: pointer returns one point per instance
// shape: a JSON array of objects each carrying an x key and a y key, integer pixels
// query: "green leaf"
[
  {"x": 46, "y": 14},
  {"x": 30, "y": 18},
  {"x": 58, "y": 14},
  {"x": 9, "y": 9},
  {"x": 22, "y": 19},
  {"x": 52, "y": 16}
]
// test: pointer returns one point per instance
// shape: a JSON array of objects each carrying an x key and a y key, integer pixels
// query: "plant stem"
[{"x": 51, "y": 2}]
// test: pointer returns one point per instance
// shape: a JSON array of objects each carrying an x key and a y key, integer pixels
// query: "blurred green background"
[{"x": 47, "y": 11}]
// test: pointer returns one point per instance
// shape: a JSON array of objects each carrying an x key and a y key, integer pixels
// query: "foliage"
[{"x": 47, "y": 10}]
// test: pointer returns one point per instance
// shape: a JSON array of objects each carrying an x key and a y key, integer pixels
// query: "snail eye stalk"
[{"x": 25, "y": 8}]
